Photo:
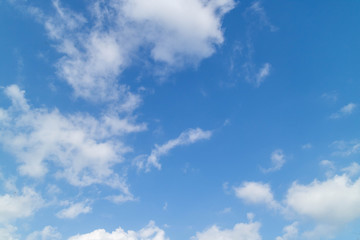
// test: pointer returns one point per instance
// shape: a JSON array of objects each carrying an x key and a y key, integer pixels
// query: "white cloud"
[
  {"x": 333, "y": 201},
  {"x": 352, "y": 170},
  {"x": 83, "y": 148},
  {"x": 122, "y": 198},
  {"x": 150, "y": 232},
  {"x": 17, "y": 97},
  {"x": 348, "y": 109},
  {"x": 256, "y": 193},
  {"x": 180, "y": 28},
  {"x": 290, "y": 232},
  {"x": 187, "y": 137},
  {"x": 74, "y": 210},
  {"x": 254, "y": 75},
  {"x": 344, "y": 111},
  {"x": 277, "y": 160},
  {"x": 48, "y": 233},
  {"x": 21, "y": 205},
  {"x": 329, "y": 166},
  {"x": 94, "y": 54},
  {"x": 8, "y": 232},
  {"x": 241, "y": 231}
]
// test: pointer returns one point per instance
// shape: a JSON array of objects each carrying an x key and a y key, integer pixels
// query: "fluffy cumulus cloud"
[
  {"x": 256, "y": 193},
  {"x": 150, "y": 232},
  {"x": 180, "y": 29},
  {"x": 15, "y": 206},
  {"x": 74, "y": 210},
  {"x": 174, "y": 33},
  {"x": 187, "y": 137},
  {"x": 333, "y": 201},
  {"x": 329, "y": 204},
  {"x": 48, "y": 233},
  {"x": 83, "y": 148},
  {"x": 241, "y": 231}
]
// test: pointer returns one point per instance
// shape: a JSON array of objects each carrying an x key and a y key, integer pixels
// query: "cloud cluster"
[
  {"x": 150, "y": 232},
  {"x": 331, "y": 203},
  {"x": 241, "y": 231},
  {"x": 82, "y": 148},
  {"x": 98, "y": 48}
]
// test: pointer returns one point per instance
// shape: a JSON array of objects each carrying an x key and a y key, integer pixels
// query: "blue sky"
[{"x": 179, "y": 119}]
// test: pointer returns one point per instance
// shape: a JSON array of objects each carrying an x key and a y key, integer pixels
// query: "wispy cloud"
[
  {"x": 264, "y": 71},
  {"x": 352, "y": 170},
  {"x": 187, "y": 137},
  {"x": 345, "y": 148},
  {"x": 48, "y": 233},
  {"x": 257, "y": 19},
  {"x": 225, "y": 210},
  {"x": 330, "y": 96},
  {"x": 329, "y": 167},
  {"x": 307, "y": 146},
  {"x": 74, "y": 210},
  {"x": 258, "y": 10},
  {"x": 345, "y": 111}
]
